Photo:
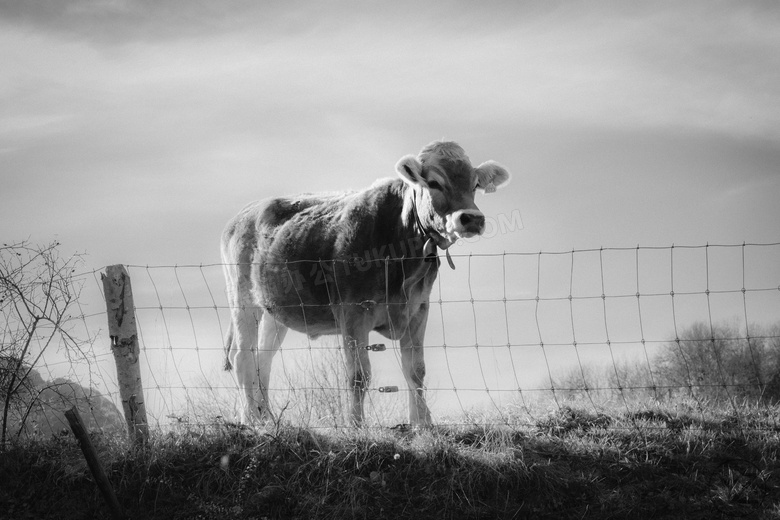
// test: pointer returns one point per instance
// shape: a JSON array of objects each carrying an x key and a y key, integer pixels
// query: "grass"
[{"x": 569, "y": 463}]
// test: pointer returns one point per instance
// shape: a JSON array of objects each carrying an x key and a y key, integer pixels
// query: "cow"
[{"x": 349, "y": 263}]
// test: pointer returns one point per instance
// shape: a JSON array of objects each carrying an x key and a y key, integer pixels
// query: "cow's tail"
[
  {"x": 229, "y": 346},
  {"x": 229, "y": 268}
]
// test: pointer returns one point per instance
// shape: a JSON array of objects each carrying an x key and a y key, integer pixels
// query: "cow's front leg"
[
  {"x": 358, "y": 369},
  {"x": 413, "y": 366}
]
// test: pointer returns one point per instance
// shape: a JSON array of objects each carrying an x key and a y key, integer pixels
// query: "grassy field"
[{"x": 569, "y": 463}]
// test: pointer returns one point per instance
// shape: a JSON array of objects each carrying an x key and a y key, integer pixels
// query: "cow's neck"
[{"x": 431, "y": 239}]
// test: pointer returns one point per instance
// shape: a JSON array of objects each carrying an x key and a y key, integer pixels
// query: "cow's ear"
[
  {"x": 410, "y": 170},
  {"x": 491, "y": 175}
]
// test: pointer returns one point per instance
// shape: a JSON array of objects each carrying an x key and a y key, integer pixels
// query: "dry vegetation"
[{"x": 676, "y": 462}]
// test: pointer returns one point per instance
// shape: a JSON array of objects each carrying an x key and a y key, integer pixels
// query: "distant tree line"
[{"x": 717, "y": 363}]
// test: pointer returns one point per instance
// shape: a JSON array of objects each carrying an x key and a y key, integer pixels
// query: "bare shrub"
[
  {"x": 38, "y": 294},
  {"x": 721, "y": 361}
]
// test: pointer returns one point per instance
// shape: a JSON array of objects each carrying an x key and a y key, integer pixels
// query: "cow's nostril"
[{"x": 472, "y": 220}]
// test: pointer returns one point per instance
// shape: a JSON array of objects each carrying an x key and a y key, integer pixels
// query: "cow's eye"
[{"x": 434, "y": 185}]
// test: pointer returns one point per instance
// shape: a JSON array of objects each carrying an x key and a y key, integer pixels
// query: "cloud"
[
  {"x": 118, "y": 22},
  {"x": 270, "y": 98},
  {"x": 690, "y": 66}
]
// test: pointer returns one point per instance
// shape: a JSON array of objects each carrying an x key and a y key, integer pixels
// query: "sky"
[{"x": 131, "y": 131}]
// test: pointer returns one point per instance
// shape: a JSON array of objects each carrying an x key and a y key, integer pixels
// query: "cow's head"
[{"x": 443, "y": 186}]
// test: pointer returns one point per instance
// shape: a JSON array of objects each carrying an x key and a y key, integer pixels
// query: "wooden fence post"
[
  {"x": 98, "y": 473},
  {"x": 124, "y": 345}
]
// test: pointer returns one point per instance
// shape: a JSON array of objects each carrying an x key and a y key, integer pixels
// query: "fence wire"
[{"x": 509, "y": 334}]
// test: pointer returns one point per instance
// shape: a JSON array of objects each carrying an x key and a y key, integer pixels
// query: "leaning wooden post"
[
  {"x": 99, "y": 474},
  {"x": 124, "y": 345}
]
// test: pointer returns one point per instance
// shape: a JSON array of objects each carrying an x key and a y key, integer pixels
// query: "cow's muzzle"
[{"x": 465, "y": 223}]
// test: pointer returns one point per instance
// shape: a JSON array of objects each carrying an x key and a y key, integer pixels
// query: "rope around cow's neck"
[{"x": 429, "y": 235}]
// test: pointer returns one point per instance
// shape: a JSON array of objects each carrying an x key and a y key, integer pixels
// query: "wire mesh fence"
[{"x": 508, "y": 335}]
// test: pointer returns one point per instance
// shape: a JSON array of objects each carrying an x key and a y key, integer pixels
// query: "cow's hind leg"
[
  {"x": 358, "y": 371},
  {"x": 241, "y": 340},
  {"x": 244, "y": 360},
  {"x": 272, "y": 334}
]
